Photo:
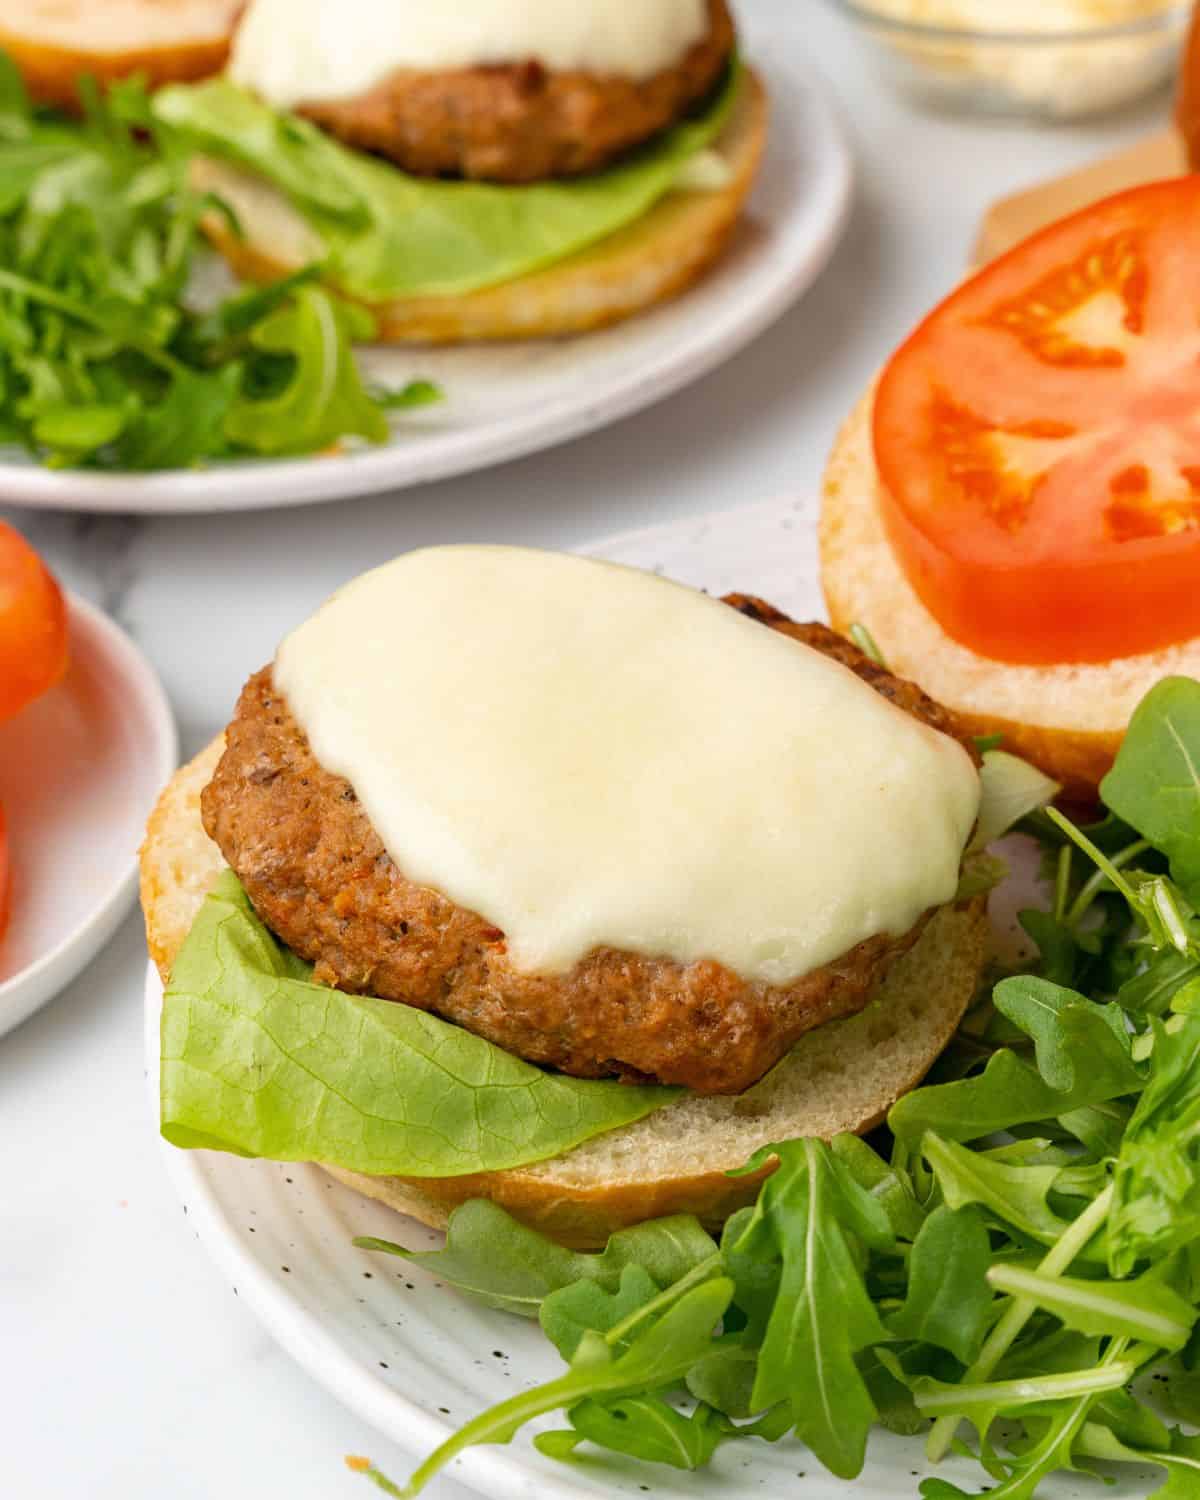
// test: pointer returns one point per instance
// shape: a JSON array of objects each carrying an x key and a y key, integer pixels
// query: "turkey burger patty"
[
  {"x": 523, "y": 122},
  {"x": 320, "y": 878},
  {"x": 516, "y": 120}
]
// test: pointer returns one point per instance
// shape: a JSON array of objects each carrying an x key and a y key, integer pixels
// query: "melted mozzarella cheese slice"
[
  {"x": 294, "y": 51},
  {"x": 587, "y": 755}
]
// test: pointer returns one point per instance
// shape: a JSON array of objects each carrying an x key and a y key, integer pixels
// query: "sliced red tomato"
[
  {"x": 1038, "y": 439},
  {"x": 5, "y": 877},
  {"x": 33, "y": 624}
]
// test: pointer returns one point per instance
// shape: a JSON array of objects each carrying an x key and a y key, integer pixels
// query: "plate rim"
[
  {"x": 76, "y": 949},
  {"x": 284, "y": 483}
]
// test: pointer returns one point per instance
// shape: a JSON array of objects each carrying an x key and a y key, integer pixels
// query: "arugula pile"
[
  {"x": 1025, "y": 1247},
  {"x": 103, "y": 360}
]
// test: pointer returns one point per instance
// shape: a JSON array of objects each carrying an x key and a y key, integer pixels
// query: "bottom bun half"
[
  {"x": 651, "y": 260},
  {"x": 842, "y": 1077}
]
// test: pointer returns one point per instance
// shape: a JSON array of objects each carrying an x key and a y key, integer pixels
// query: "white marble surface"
[{"x": 128, "y": 1369}]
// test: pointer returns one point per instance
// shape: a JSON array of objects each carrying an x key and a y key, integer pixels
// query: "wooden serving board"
[{"x": 1010, "y": 220}]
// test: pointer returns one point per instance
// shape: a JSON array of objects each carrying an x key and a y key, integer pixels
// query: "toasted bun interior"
[
  {"x": 843, "y": 1076},
  {"x": 55, "y": 42},
  {"x": 1068, "y": 719},
  {"x": 647, "y": 262}
]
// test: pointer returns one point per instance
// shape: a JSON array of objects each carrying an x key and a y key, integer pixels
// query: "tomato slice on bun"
[{"x": 1037, "y": 439}]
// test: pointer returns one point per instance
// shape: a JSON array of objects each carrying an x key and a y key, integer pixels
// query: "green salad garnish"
[
  {"x": 105, "y": 359},
  {"x": 1001, "y": 1272}
]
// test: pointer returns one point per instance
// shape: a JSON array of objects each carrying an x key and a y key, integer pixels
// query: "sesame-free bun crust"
[
  {"x": 649, "y": 261},
  {"x": 56, "y": 42},
  {"x": 1069, "y": 719},
  {"x": 843, "y": 1076}
]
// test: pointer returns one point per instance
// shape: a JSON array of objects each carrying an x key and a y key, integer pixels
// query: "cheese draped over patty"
[
  {"x": 308, "y": 51},
  {"x": 588, "y": 756}
]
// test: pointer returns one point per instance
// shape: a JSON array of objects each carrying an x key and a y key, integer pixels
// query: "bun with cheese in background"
[
  {"x": 54, "y": 43},
  {"x": 518, "y": 874},
  {"x": 500, "y": 169}
]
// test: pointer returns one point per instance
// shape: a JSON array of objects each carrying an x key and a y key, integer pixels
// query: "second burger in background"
[{"x": 496, "y": 169}]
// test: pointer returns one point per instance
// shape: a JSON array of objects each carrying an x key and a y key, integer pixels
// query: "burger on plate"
[
  {"x": 491, "y": 169},
  {"x": 531, "y": 877}
]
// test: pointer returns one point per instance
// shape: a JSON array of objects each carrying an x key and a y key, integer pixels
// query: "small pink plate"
[{"x": 79, "y": 772}]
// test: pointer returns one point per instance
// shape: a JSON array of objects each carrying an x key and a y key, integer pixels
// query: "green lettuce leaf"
[
  {"x": 387, "y": 234},
  {"x": 949, "y": 1302},
  {"x": 509, "y": 1266},
  {"x": 322, "y": 397},
  {"x": 258, "y": 1060}
]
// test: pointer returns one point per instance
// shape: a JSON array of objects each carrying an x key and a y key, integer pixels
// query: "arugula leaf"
[
  {"x": 16, "y": 112},
  {"x": 895, "y": 1409},
  {"x": 1098, "y": 1127},
  {"x": 949, "y": 1302},
  {"x": 1181, "y": 1459},
  {"x": 646, "y": 1427},
  {"x": 892, "y": 1189},
  {"x": 659, "y": 1356},
  {"x": 1154, "y": 784},
  {"x": 1075, "y": 1396},
  {"x": 1069, "y": 1032},
  {"x": 569, "y": 1315},
  {"x": 1157, "y": 1176},
  {"x": 323, "y": 398},
  {"x": 1151, "y": 991},
  {"x": 258, "y": 1060},
  {"x": 1008, "y": 1093},
  {"x": 1014, "y": 1195},
  {"x": 1144, "y": 1309},
  {"x": 809, "y": 1213},
  {"x": 724, "y": 1378},
  {"x": 187, "y": 425},
  {"x": 513, "y": 1268},
  {"x": 1057, "y": 945},
  {"x": 415, "y": 394}
]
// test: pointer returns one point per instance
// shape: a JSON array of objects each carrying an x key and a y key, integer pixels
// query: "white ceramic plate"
[
  {"x": 79, "y": 772},
  {"x": 513, "y": 399},
  {"x": 415, "y": 1358}
]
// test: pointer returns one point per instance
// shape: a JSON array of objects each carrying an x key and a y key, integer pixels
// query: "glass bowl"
[{"x": 1043, "y": 74}]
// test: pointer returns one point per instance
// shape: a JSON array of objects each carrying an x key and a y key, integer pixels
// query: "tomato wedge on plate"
[
  {"x": 5, "y": 877},
  {"x": 33, "y": 624},
  {"x": 1038, "y": 439}
]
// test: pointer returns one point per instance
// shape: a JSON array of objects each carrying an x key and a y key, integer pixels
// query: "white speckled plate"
[
  {"x": 416, "y": 1358},
  {"x": 79, "y": 772},
  {"x": 511, "y": 399}
]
